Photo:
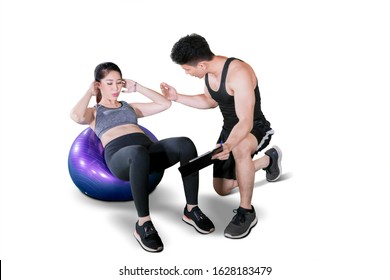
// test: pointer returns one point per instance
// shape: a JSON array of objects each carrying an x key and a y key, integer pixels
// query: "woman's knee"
[
  {"x": 187, "y": 142},
  {"x": 186, "y": 146}
]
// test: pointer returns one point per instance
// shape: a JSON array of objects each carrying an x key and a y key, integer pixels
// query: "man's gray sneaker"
[
  {"x": 274, "y": 169},
  {"x": 241, "y": 224}
]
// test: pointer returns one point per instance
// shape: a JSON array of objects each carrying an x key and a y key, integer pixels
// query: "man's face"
[{"x": 194, "y": 71}]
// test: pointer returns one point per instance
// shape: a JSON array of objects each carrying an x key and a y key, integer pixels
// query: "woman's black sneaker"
[
  {"x": 147, "y": 236},
  {"x": 198, "y": 220}
]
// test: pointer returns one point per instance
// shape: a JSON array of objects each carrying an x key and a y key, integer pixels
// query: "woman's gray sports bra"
[{"x": 107, "y": 118}]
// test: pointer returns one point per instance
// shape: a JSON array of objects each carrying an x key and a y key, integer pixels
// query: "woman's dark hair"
[
  {"x": 101, "y": 71},
  {"x": 191, "y": 49}
]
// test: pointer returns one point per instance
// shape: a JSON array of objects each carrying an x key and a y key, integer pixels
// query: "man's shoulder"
[{"x": 239, "y": 67}]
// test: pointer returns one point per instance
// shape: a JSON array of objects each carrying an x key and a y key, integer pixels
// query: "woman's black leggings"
[{"x": 133, "y": 156}]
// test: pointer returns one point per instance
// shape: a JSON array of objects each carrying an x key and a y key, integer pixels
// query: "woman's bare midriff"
[{"x": 118, "y": 131}]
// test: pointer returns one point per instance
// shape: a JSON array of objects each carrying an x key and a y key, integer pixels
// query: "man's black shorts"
[{"x": 227, "y": 168}]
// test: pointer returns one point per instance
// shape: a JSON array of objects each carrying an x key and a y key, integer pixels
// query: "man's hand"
[
  {"x": 224, "y": 154},
  {"x": 169, "y": 92}
]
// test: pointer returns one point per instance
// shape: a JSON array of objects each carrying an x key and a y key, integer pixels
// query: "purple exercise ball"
[{"x": 90, "y": 174}]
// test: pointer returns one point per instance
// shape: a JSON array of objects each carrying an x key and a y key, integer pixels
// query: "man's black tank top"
[{"x": 226, "y": 101}]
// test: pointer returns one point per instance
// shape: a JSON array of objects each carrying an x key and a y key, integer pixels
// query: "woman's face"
[{"x": 111, "y": 85}]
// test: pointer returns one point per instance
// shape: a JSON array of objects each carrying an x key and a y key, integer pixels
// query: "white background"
[{"x": 323, "y": 68}]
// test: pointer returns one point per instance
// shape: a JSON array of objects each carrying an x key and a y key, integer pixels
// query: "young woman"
[{"x": 130, "y": 154}]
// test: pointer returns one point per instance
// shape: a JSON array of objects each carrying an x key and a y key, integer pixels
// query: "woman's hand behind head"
[
  {"x": 94, "y": 88},
  {"x": 130, "y": 86}
]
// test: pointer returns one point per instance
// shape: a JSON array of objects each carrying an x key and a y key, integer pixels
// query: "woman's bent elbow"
[
  {"x": 167, "y": 104},
  {"x": 76, "y": 118}
]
